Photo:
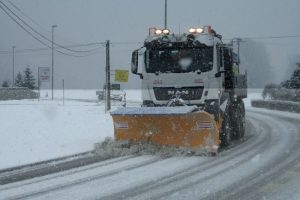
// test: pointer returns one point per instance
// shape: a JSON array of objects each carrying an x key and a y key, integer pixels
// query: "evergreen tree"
[
  {"x": 295, "y": 79},
  {"x": 19, "y": 80},
  {"x": 29, "y": 80},
  {"x": 294, "y": 82},
  {"x": 5, "y": 84}
]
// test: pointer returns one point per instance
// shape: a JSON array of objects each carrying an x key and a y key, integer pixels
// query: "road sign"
[
  {"x": 121, "y": 75},
  {"x": 44, "y": 74},
  {"x": 113, "y": 86}
]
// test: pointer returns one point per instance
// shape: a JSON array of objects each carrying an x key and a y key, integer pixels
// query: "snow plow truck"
[{"x": 192, "y": 92}]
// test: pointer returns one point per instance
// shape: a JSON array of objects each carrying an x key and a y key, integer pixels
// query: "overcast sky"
[{"x": 85, "y": 21}]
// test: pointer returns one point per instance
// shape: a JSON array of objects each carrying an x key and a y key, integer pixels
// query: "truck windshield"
[{"x": 179, "y": 60}]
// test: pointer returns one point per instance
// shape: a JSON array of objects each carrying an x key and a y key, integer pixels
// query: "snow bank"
[
  {"x": 277, "y": 105},
  {"x": 37, "y": 130},
  {"x": 33, "y": 131},
  {"x": 111, "y": 148}
]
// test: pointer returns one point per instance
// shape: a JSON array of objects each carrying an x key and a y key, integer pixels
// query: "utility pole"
[
  {"x": 39, "y": 82},
  {"x": 238, "y": 40},
  {"x": 166, "y": 13},
  {"x": 52, "y": 77},
  {"x": 107, "y": 85},
  {"x": 13, "y": 66},
  {"x": 63, "y": 87}
]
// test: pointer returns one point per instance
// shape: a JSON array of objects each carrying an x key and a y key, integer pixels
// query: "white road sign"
[{"x": 44, "y": 74}]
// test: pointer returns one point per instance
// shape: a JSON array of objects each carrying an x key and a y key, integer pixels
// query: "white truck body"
[{"x": 197, "y": 85}]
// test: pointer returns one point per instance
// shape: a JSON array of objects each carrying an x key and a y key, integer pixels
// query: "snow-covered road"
[{"x": 265, "y": 165}]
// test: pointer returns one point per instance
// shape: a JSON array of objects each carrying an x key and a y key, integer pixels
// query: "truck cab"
[{"x": 196, "y": 64}]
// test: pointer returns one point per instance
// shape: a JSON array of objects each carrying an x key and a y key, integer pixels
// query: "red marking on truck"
[
  {"x": 198, "y": 81},
  {"x": 157, "y": 82}
]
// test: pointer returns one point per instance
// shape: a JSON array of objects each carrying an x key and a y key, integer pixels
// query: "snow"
[
  {"x": 79, "y": 124},
  {"x": 89, "y": 95},
  {"x": 154, "y": 110},
  {"x": 252, "y": 94},
  {"x": 33, "y": 131}
]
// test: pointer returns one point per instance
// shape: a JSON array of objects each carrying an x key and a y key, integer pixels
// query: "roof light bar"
[
  {"x": 158, "y": 31},
  {"x": 197, "y": 30},
  {"x": 162, "y": 31},
  {"x": 166, "y": 31},
  {"x": 192, "y": 30}
]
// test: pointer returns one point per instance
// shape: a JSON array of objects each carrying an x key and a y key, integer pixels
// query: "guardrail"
[{"x": 277, "y": 105}]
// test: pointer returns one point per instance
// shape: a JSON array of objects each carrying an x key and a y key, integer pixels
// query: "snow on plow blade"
[{"x": 179, "y": 126}]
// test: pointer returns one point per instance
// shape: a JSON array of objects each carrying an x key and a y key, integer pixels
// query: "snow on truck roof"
[{"x": 180, "y": 110}]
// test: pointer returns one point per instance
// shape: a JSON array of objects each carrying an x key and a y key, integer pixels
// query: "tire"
[
  {"x": 242, "y": 120},
  {"x": 238, "y": 117},
  {"x": 226, "y": 135}
]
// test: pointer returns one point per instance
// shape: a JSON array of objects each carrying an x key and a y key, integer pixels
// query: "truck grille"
[{"x": 189, "y": 93}]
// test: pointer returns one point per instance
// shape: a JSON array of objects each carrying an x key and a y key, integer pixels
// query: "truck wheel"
[
  {"x": 242, "y": 120},
  {"x": 238, "y": 118},
  {"x": 226, "y": 134}
]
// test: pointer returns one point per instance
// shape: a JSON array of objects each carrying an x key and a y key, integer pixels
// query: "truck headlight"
[
  {"x": 158, "y": 31},
  {"x": 199, "y": 30},
  {"x": 192, "y": 30},
  {"x": 166, "y": 31}
]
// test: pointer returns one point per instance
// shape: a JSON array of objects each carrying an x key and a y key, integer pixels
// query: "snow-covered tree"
[
  {"x": 29, "y": 80},
  {"x": 294, "y": 81},
  {"x": 19, "y": 80},
  {"x": 5, "y": 84}
]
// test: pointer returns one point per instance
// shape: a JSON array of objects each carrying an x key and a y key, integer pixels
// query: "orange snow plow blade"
[{"x": 178, "y": 126}]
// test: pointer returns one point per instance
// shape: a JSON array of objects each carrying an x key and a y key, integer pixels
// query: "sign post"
[
  {"x": 43, "y": 76},
  {"x": 63, "y": 86},
  {"x": 107, "y": 88}
]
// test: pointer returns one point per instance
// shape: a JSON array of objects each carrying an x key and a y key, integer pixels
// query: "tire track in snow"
[
  {"x": 192, "y": 171},
  {"x": 255, "y": 186},
  {"x": 242, "y": 182},
  {"x": 67, "y": 173},
  {"x": 197, "y": 176},
  {"x": 84, "y": 180}
]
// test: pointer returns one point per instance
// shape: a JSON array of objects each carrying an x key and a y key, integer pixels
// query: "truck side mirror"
[
  {"x": 227, "y": 56},
  {"x": 135, "y": 62}
]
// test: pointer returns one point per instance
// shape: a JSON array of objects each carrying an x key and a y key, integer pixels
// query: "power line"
[
  {"x": 126, "y": 43},
  {"x": 36, "y": 38},
  {"x": 33, "y": 21},
  {"x": 41, "y": 35},
  {"x": 272, "y": 37},
  {"x": 266, "y": 37},
  {"x": 23, "y": 27},
  {"x": 73, "y": 45},
  {"x": 76, "y": 51},
  {"x": 17, "y": 8},
  {"x": 47, "y": 49}
]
